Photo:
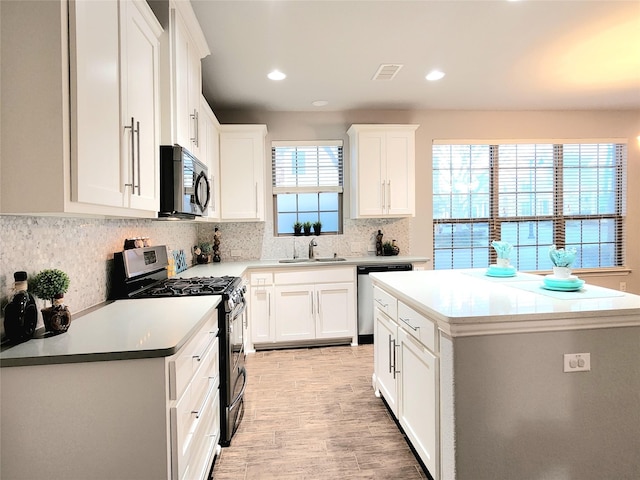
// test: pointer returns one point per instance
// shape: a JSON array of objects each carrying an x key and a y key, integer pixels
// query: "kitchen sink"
[{"x": 311, "y": 260}]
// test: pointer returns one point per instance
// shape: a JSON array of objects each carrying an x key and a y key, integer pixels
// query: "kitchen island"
[
  {"x": 480, "y": 383},
  {"x": 104, "y": 400}
]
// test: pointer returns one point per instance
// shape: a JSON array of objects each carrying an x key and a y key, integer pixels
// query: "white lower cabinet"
[
  {"x": 407, "y": 373},
  {"x": 385, "y": 353},
  {"x": 300, "y": 306},
  {"x": 417, "y": 398},
  {"x": 155, "y": 418},
  {"x": 295, "y": 309},
  {"x": 194, "y": 404}
]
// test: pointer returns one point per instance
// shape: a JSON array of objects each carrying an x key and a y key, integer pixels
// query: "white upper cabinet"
[
  {"x": 188, "y": 47},
  {"x": 242, "y": 167},
  {"x": 208, "y": 127},
  {"x": 140, "y": 94},
  {"x": 71, "y": 92},
  {"x": 382, "y": 170}
]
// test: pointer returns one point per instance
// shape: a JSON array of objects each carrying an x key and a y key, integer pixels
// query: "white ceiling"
[{"x": 523, "y": 55}]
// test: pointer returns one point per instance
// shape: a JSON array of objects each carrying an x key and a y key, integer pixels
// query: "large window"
[
  {"x": 531, "y": 195},
  {"x": 307, "y": 185}
]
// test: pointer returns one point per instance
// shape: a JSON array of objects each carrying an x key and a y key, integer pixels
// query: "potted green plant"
[
  {"x": 387, "y": 248},
  {"x": 317, "y": 227},
  {"x": 203, "y": 252},
  {"x": 297, "y": 228},
  {"x": 51, "y": 285},
  {"x": 306, "y": 226}
]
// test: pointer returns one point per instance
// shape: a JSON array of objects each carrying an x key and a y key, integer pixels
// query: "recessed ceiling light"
[
  {"x": 276, "y": 75},
  {"x": 319, "y": 103},
  {"x": 434, "y": 75}
]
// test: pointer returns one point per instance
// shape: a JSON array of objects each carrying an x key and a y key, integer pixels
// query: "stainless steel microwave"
[{"x": 184, "y": 184}]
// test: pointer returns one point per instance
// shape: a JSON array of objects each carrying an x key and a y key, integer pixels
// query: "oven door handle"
[
  {"x": 243, "y": 371},
  {"x": 238, "y": 310}
]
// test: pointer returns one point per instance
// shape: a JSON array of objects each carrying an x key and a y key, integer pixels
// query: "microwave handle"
[{"x": 202, "y": 178}]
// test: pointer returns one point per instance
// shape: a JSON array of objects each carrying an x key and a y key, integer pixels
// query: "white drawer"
[
  {"x": 205, "y": 440},
  {"x": 184, "y": 364},
  {"x": 190, "y": 419},
  {"x": 417, "y": 325},
  {"x": 258, "y": 279},
  {"x": 385, "y": 302},
  {"x": 315, "y": 275}
]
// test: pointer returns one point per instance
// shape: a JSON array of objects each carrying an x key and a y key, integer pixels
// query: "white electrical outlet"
[
  {"x": 371, "y": 248},
  {"x": 236, "y": 253},
  {"x": 623, "y": 286},
  {"x": 577, "y": 362}
]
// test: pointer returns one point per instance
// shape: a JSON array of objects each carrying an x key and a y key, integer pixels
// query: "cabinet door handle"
[
  {"x": 256, "y": 199},
  {"x": 407, "y": 321},
  {"x": 204, "y": 402},
  {"x": 389, "y": 195},
  {"x": 197, "y": 129},
  {"x": 132, "y": 157},
  {"x": 213, "y": 192},
  {"x": 395, "y": 359},
  {"x": 390, "y": 349},
  {"x": 138, "y": 152},
  {"x": 269, "y": 304},
  {"x": 312, "y": 305},
  {"x": 382, "y": 189},
  {"x": 194, "y": 117},
  {"x": 318, "y": 303}
]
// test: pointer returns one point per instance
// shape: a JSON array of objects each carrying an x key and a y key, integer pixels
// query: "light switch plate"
[{"x": 577, "y": 362}]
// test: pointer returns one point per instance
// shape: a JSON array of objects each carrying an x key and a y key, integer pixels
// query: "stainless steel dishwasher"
[{"x": 365, "y": 296}]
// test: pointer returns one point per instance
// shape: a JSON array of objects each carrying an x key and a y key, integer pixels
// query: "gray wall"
[{"x": 518, "y": 416}]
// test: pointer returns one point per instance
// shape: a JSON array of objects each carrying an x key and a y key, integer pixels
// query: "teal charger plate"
[
  {"x": 562, "y": 284},
  {"x": 495, "y": 271}
]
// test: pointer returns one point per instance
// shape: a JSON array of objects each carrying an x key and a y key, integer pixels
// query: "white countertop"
[
  {"x": 466, "y": 302},
  {"x": 237, "y": 269},
  {"x": 124, "y": 329},
  {"x": 151, "y": 327}
]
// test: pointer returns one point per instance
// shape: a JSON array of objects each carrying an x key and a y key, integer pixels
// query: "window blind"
[
  {"x": 572, "y": 194},
  {"x": 299, "y": 167}
]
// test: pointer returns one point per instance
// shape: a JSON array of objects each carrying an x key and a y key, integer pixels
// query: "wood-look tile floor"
[{"x": 311, "y": 414}]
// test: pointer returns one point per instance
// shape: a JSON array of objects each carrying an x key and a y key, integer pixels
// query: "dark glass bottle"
[{"x": 21, "y": 313}]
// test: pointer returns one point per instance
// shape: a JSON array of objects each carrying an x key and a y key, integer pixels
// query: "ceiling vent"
[{"x": 387, "y": 71}]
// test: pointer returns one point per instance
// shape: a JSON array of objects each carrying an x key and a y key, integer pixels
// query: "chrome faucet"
[{"x": 312, "y": 244}]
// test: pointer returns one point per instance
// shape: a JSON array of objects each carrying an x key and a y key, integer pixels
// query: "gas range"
[
  {"x": 230, "y": 288},
  {"x": 183, "y": 287}
]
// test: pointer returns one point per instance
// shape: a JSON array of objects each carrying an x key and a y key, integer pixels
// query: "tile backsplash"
[
  {"x": 250, "y": 241},
  {"x": 83, "y": 248}
]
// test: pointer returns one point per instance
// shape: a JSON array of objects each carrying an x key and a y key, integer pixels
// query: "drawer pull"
[
  {"x": 204, "y": 402},
  {"x": 408, "y": 322},
  {"x": 380, "y": 302},
  {"x": 201, "y": 355}
]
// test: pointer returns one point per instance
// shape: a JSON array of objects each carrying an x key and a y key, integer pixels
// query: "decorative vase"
[
  {"x": 562, "y": 272},
  {"x": 502, "y": 262},
  {"x": 202, "y": 258},
  {"x": 56, "y": 318},
  {"x": 317, "y": 230}
]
